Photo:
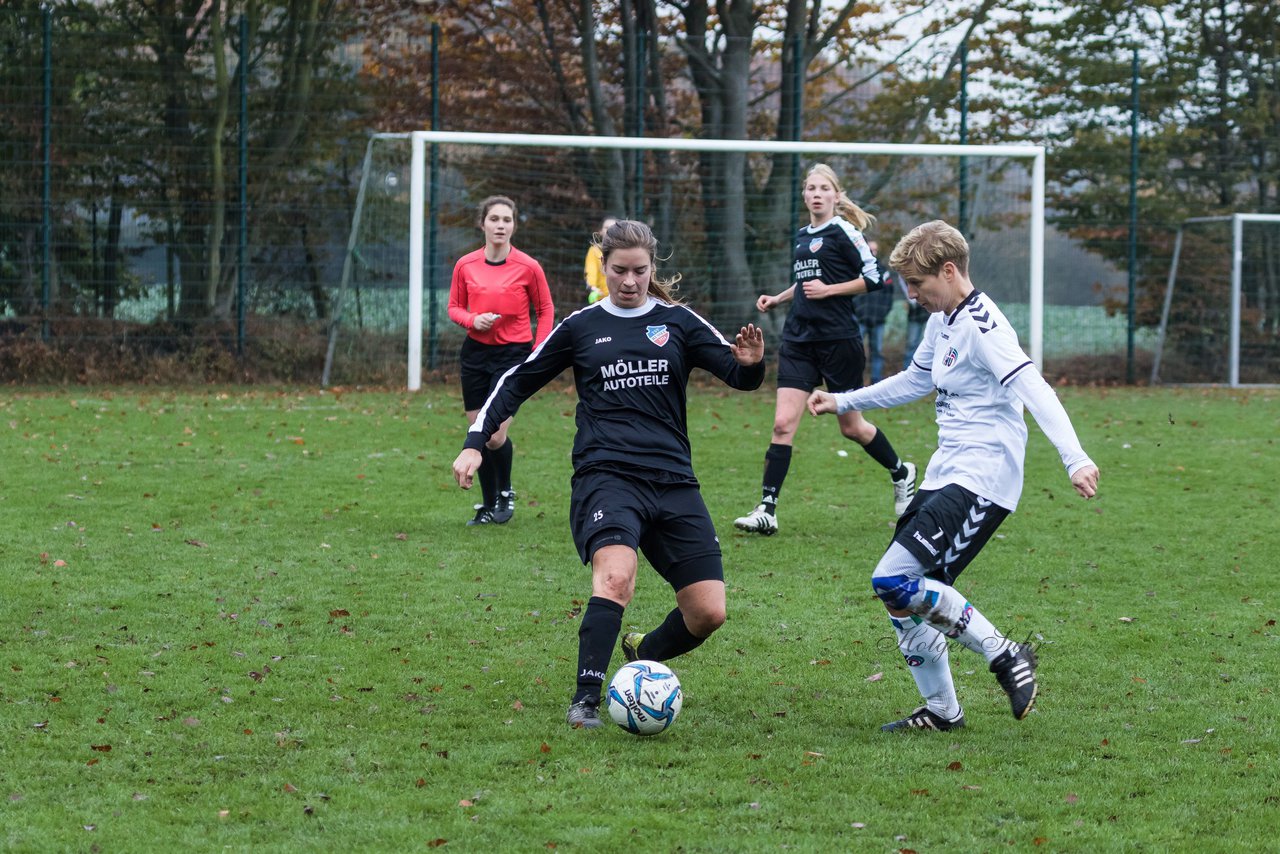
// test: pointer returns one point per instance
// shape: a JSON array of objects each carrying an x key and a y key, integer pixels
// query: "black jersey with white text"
[
  {"x": 631, "y": 368},
  {"x": 833, "y": 252}
]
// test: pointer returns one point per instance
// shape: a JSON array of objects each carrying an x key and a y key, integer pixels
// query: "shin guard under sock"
[{"x": 597, "y": 633}]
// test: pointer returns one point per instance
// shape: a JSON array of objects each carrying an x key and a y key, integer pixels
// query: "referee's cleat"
[
  {"x": 631, "y": 645},
  {"x": 904, "y": 490},
  {"x": 584, "y": 715},
  {"x": 484, "y": 516},
  {"x": 758, "y": 521},
  {"x": 505, "y": 507},
  {"x": 1016, "y": 673},
  {"x": 923, "y": 718}
]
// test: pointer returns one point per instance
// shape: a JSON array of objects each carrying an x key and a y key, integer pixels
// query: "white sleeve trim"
[{"x": 1038, "y": 397}]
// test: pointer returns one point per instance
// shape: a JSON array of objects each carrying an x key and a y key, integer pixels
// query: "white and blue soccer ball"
[{"x": 644, "y": 697}]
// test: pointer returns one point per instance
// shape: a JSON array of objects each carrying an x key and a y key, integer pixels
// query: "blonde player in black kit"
[
  {"x": 633, "y": 484},
  {"x": 821, "y": 342}
]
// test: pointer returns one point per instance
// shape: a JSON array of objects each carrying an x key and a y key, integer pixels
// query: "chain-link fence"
[{"x": 182, "y": 193}]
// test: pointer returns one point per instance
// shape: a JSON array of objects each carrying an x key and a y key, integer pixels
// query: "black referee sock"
[
  {"x": 669, "y": 640},
  {"x": 882, "y": 452},
  {"x": 488, "y": 477},
  {"x": 502, "y": 462},
  {"x": 597, "y": 634},
  {"x": 776, "y": 462}
]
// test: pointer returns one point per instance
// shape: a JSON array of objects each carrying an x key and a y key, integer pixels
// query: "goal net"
[
  {"x": 1220, "y": 319},
  {"x": 723, "y": 212}
]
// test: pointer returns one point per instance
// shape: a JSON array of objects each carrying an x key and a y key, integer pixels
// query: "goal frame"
[
  {"x": 418, "y": 189},
  {"x": 1237, "y": 221}
]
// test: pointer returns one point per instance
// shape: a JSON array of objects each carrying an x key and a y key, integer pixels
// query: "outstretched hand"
[
  {"x": 748, "y": 345},
  {"x": 466, "y": 466},
  {"x": 821, "y": 401},
  {"x": 1085, "y": 481}
]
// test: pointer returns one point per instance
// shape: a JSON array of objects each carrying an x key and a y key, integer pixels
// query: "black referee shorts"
[
  {"x": 806, "y": 365},
  {"x": 666, "y": 522},
  {"x": 946, "y": 528},
  {"x": 482, "y": 365}
]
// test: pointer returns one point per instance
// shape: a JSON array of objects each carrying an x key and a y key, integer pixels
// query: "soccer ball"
[{"x": 644, "y": 697}]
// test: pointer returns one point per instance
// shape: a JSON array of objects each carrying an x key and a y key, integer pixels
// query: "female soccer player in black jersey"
[
  {"x": 821, "y": 341},
  {"x": 633, "y": 485}
]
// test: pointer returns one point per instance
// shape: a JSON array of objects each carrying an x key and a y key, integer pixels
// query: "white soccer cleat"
[
  {"x": 904, "y": 490},
  {"x": 758, "y": 521}
]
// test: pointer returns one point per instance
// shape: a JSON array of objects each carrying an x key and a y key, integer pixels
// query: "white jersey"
[{"x": 972, "y": 358}]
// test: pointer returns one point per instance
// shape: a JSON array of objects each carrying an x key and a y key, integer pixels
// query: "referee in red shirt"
[{"x": 493, "y": 293}]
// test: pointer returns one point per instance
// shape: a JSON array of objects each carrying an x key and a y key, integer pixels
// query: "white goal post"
[
  {"x": 418, "y": 198},
  {"x": 1237, "y": 221}
]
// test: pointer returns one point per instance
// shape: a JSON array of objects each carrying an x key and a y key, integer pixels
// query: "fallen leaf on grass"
[{"x": 875, "y": 677}]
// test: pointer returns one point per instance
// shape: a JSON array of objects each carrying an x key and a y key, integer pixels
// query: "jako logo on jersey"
[
  {"x": 914, "y": 660},
  {"x": 815, "y": 244},
  {"x": 950, "y": 358},
  {"x": 605, "y": 340},
  {"x": 658, "y": 334}
]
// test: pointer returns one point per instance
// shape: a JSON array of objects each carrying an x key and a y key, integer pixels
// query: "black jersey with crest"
[
  {"x": 631, "y": 368},
  {"x": 833, "y": 252}
]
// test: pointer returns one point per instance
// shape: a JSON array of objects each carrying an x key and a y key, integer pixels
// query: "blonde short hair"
[{"x": 927, "y": 247}]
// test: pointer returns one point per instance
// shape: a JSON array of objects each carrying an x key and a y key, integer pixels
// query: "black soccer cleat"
[
  {"x": 923, "y": 718},
  {"x": 1016, "y": 673},
  {"x": 484, "y": 516},
  {"x": 631, "y": 645},
  {"x": 505, "y": 507},
  {"x": 584, "y": 715}
]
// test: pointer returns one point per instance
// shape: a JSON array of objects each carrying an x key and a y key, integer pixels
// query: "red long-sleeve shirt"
[{"x": 510, "y": 288}]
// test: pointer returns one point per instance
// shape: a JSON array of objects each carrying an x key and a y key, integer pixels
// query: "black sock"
[
  {"x": 502, "y": 460},
  {"x": 776, "y": 462},
  {"x": 670, "y": 639},
  {"x": 601, "y": 623},
  {"x": 488, "y": 478},
  {"x": 882, "y": 452}
]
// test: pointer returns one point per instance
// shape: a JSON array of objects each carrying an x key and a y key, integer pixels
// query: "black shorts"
[
  {"x": 482, "y": 365},
  {"x": 946, "y": 528},
  {"x": 838, "y": 363},
  {"x": 666, "y": 522}
]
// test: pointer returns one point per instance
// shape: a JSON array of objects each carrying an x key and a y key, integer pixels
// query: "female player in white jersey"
[
  {"x": 633, "y": 484},
  {"x": 821, "y": 342},
  {"x": 970, "y": 356}
]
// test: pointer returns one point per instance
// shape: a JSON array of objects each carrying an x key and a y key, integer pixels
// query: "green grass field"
[{"x": 254, "y": 619}]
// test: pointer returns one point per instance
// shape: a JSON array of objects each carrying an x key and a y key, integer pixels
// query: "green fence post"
[
  {"x": 1133, "y": 216},
  {"x": 243, "y": 239},
  {"x": 434, "y": 222},
  {"x": 46, "y": 191}
]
